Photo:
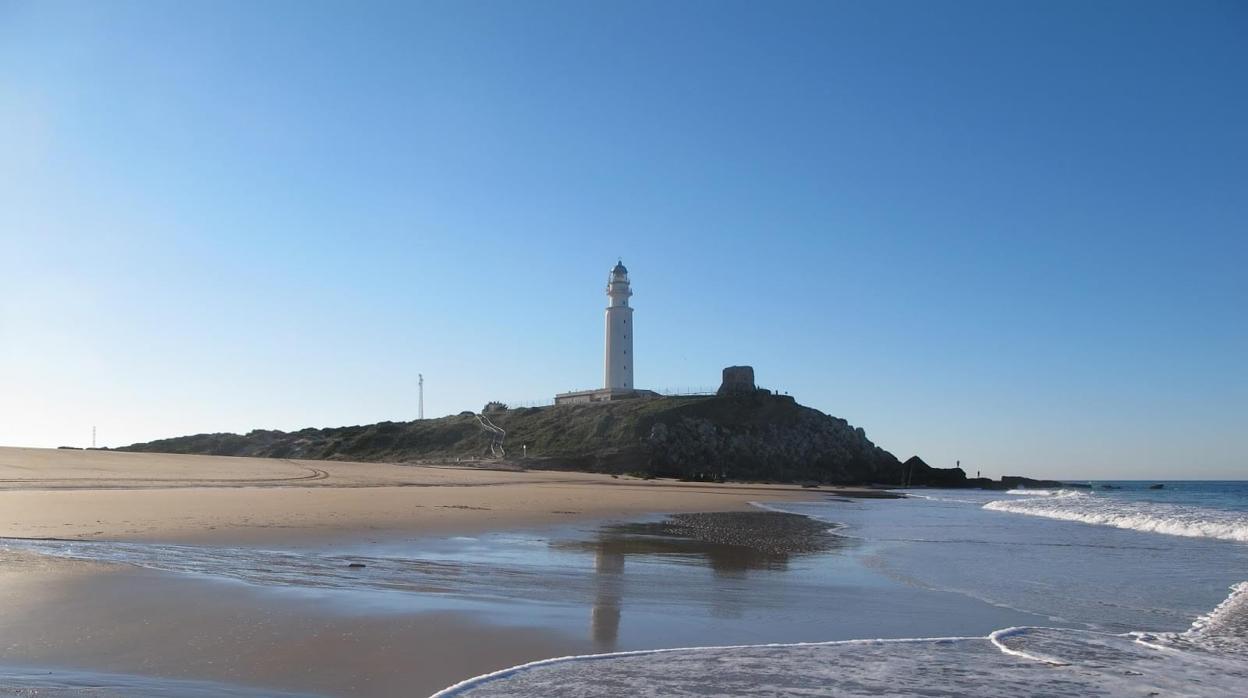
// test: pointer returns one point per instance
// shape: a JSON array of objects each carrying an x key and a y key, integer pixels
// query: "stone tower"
[{"x": 619, "y": 350}]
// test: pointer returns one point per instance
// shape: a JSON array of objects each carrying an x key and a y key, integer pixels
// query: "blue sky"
[{"x": 1011, "y": 234}]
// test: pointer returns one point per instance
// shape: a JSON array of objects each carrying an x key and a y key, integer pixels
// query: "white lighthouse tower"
[{"x": 618, "y": 361}]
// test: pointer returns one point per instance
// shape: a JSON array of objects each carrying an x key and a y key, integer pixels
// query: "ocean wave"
[
  {"x": 1017, "y": 662},
  {"x": 1047, "y": 493},
  {"x": 1223, "y": 630},
  {"x": 469, "y": 686},
  {"x": 930, "y": 498},
  {"x": 781, "y": 510},
  {"x": 1229, "y": 619},
  {"x": 1151, "y": 517},
  {"x": 1207, "y": 660}
]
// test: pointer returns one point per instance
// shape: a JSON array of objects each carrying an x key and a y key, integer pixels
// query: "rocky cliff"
[{"x": 754, "y": 436}]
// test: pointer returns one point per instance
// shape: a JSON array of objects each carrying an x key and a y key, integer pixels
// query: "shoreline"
[
  {"x": 83, "y": 620},
  {"x": 120, "y": 591},
  {"x": 347, "y": 641},
  {"x": 95, "y": 616},
  {"x": 452, "y": 597}
]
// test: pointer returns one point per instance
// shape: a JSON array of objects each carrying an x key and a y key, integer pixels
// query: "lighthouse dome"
[{"x": 619, "y": 268}]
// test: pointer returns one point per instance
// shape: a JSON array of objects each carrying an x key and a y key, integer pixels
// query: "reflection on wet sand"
[
  {"x": 604, "y": 624},
  {"x": 701, "y": 566},
  {"x": 729, "y": 543}
]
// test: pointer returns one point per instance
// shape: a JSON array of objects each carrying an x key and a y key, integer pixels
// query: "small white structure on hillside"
[{"x": 618, "y": 358}]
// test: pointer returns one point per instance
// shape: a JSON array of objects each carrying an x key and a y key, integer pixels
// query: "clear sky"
[{"x": 1013, "y": 234}]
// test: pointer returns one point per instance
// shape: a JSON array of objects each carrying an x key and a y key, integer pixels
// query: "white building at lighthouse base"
[{"x": 601, "y": 395}]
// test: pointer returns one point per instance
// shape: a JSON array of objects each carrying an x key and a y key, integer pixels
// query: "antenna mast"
[{"x": 420, "y": 382}]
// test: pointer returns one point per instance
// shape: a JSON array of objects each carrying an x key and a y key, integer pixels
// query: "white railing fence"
[{"x": 675, "y": 391}]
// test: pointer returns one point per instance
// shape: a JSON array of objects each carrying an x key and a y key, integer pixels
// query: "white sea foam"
[
  {"x": 1000, "y": 639},
  {"x": 1229, "y": 619},
  {"x": 1019, "y": 662},
  {"x": 1223, "y": 630},
  {"x": 1152, "y": 517},
  {"x": 470, "y": 686},
  {"x": 1045, "y": 493},
  {"x": 930, "y": 498},
  {"x": 1208, "y": 661},
  {"x": 778, "y": 510}
]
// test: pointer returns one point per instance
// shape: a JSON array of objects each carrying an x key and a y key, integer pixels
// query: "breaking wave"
[
  {"x": 1224, "y": 629},
  {"x": 1151, "y": 517},
  {"x": 930, "y": 498},
  {"x": 1045, "y": 493},
  {"x": 1229, "y": 619},
  {"x": 1207, "y": 660}
]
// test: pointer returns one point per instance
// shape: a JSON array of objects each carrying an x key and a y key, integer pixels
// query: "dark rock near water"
[
  {"x": 1157, "y": 487},
  {"x": 356, "y": 565},
  {"x": 1013, "y": 482},
  {"x": 917, "y": 473}
]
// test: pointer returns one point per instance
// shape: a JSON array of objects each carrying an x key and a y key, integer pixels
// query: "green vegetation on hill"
[{"x": 745, "y": 437}]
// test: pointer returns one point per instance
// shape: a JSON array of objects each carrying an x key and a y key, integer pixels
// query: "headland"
[{"x": 755, "y": 436}]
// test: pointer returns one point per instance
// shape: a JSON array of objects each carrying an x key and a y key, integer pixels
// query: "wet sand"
[
  {"x": 59, "y": 613},
  {"x": 191, "y": 624},
  {"x": 425, "y": 613},
  {"x": 152, "y": 624}
]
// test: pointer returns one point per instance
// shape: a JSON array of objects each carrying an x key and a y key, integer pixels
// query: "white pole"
[{"x": 420, "y": 413}]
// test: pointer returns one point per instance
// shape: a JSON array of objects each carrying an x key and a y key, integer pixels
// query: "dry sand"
[{"x": 108, "y": 495}]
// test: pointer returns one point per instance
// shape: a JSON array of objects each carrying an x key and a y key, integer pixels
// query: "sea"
[
  {"x": 1140, "y": 590},
  {"x": 1111, "y": 588}
]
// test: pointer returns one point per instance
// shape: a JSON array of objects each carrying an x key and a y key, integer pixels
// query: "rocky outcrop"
[
  {"x": 917, "y": 473},
  {"x": 1015, "y": 482},
  {"x": 741, "y": 436},
  {"x": 762, "y": 436}
]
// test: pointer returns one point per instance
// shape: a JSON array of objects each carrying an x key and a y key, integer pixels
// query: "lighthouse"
[{"x": 618, "y": 359}]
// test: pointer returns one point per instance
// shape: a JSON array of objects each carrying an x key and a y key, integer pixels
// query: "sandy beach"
[
  {"x": 105, "y": 495},
  {"x": 130, "y": 620},
  {"x": 143, "y": 575}
]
